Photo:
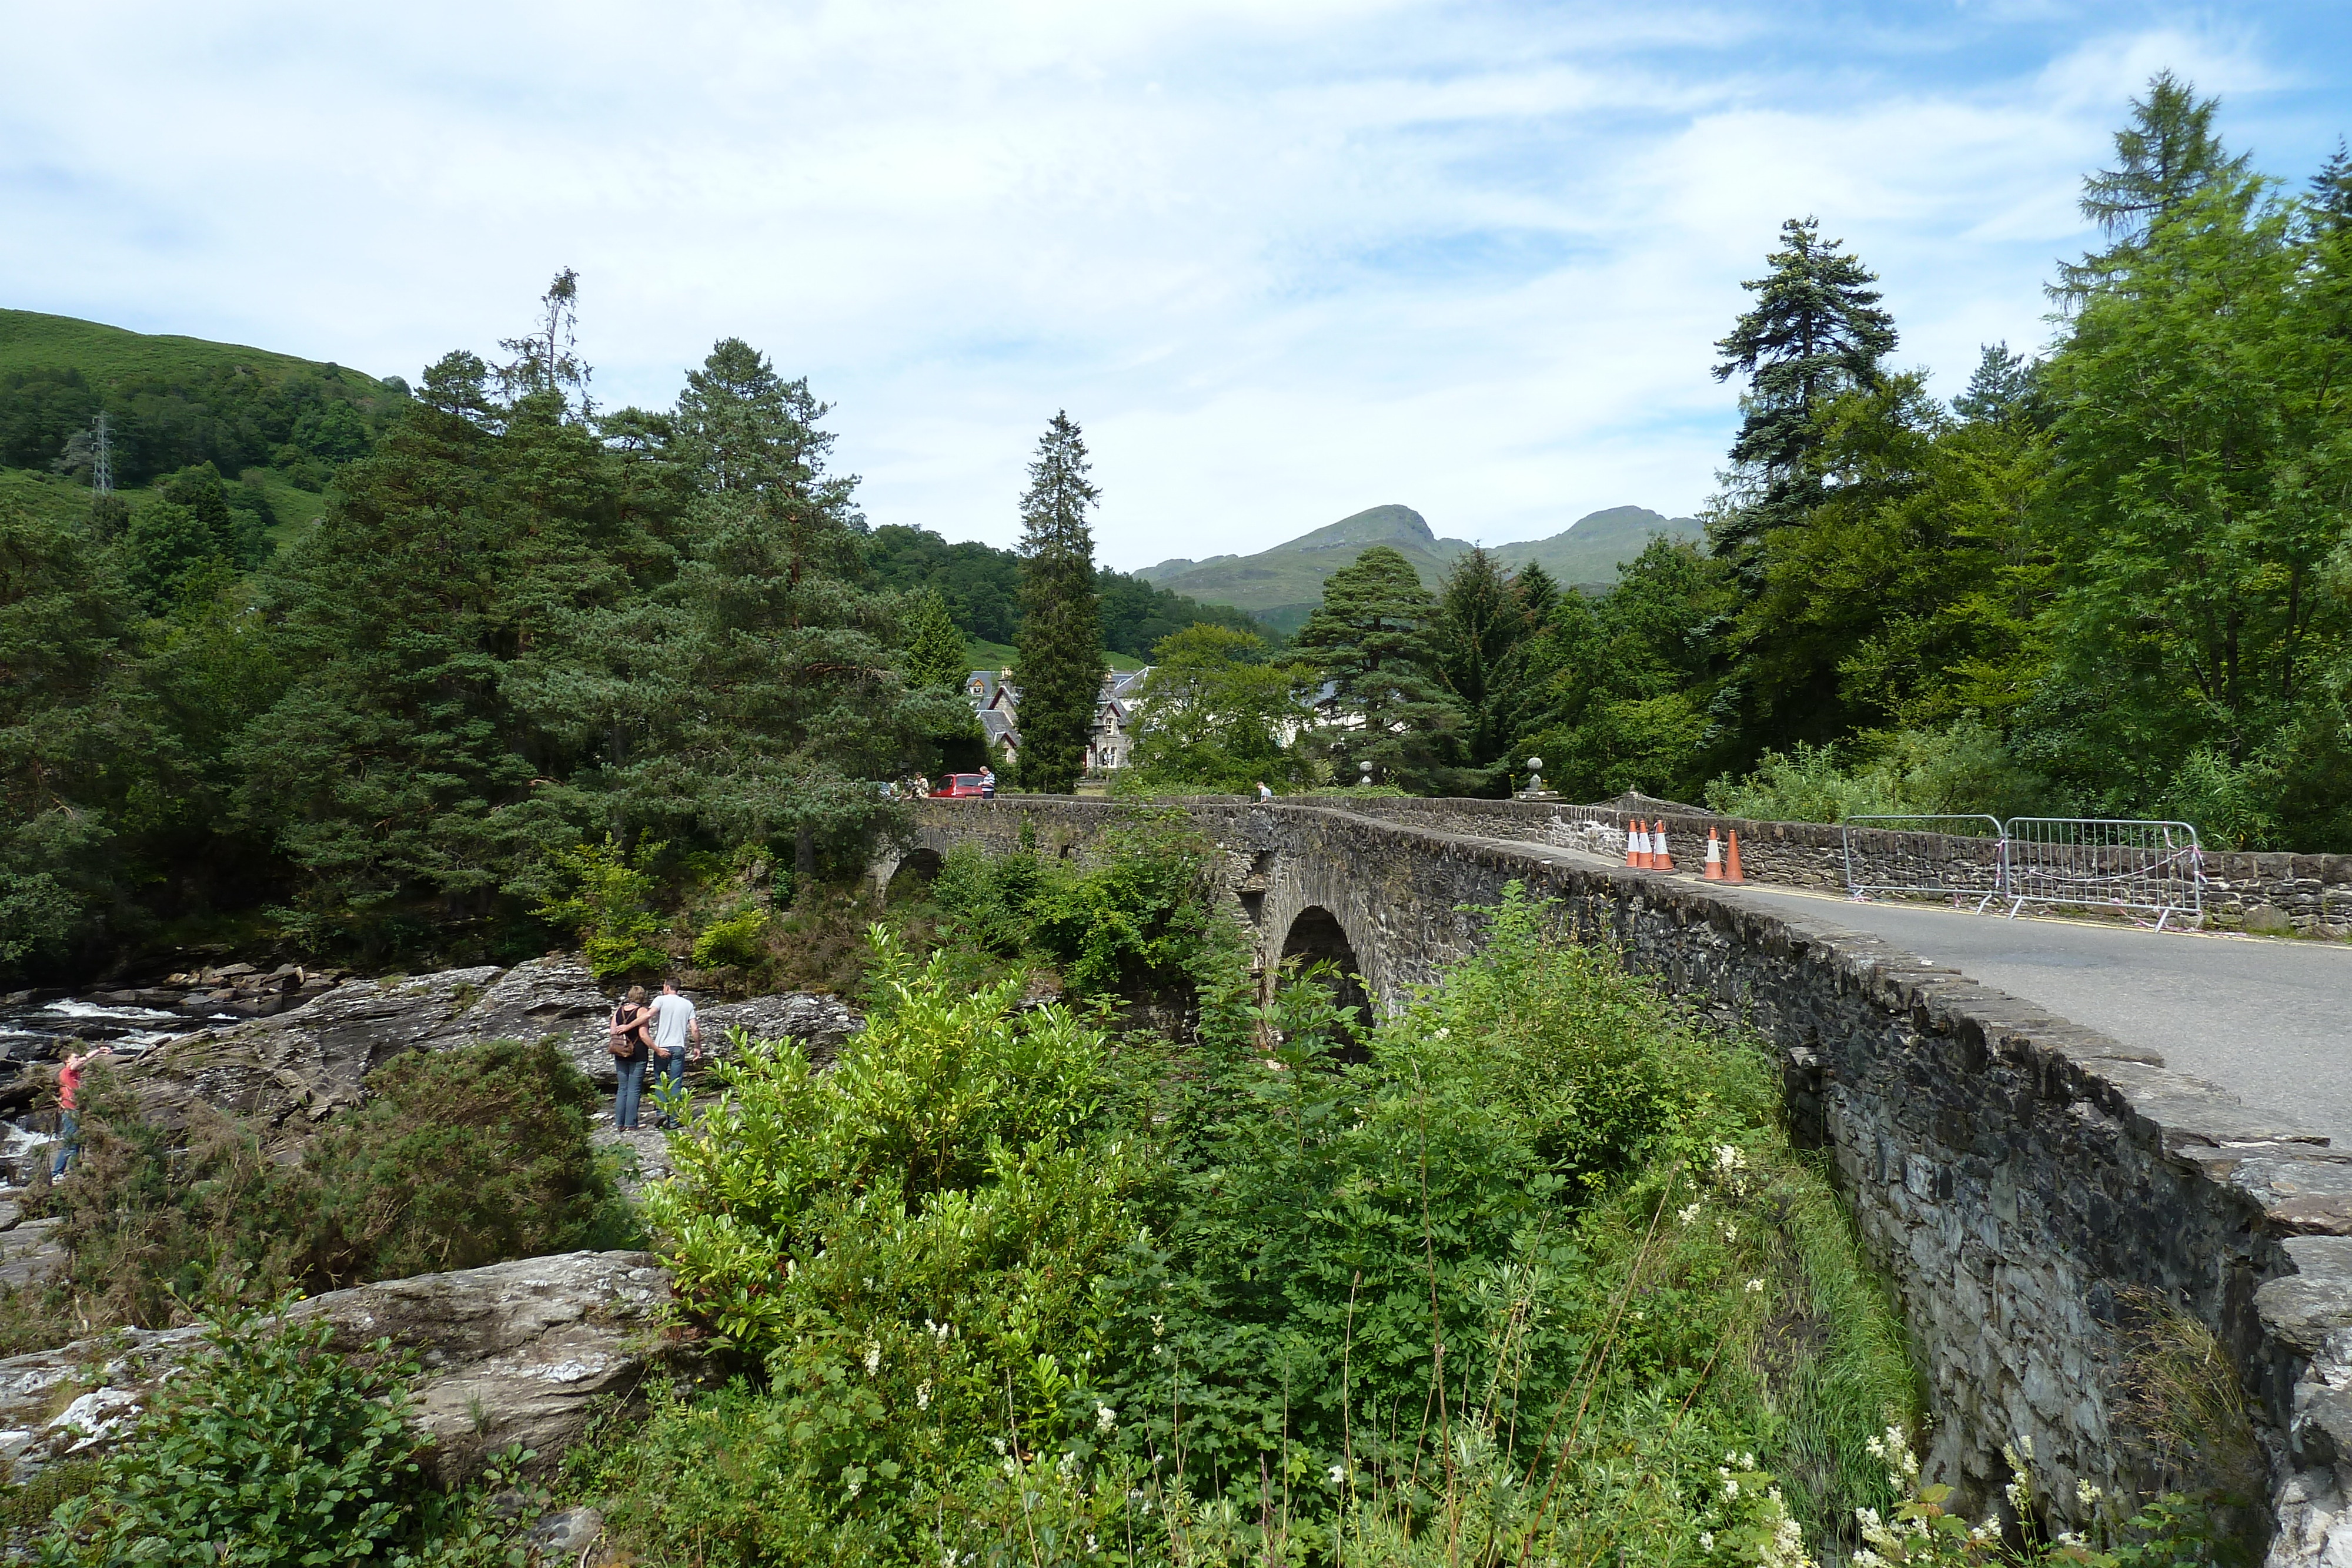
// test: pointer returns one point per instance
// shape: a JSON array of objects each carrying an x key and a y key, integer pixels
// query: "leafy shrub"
[
  {"x": 910, "y": 1241},
  {"x": 610, "y": 904},
  {"x": 1962, "y": 769},
  {"x": 456, "y": 1159},
  {"x": 269, "y": 1450},
  {"x": 734, "y": 942},
  {"x": 1018, "y": 1288},
  {"x": 1136, "y": 920}
]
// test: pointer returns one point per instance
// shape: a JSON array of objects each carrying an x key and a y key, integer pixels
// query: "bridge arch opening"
[
  {"x": 1315, "y": 937},
  {"x": 915, "y": 872}
]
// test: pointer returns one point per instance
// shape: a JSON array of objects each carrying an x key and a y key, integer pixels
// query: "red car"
[{"x": 960, "y": 787}]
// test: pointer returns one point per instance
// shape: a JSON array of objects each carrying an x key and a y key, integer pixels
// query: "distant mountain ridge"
[{"x": 1280, "y": 584}]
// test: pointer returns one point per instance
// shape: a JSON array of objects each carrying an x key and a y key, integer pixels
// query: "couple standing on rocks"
[{"x": 667, "y": 1030}]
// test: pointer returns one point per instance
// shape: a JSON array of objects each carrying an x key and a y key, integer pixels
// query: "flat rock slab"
[{"x": 514, "y": 1353}]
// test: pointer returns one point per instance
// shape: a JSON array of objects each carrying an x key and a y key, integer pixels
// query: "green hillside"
[
  {"x": 110, "y": 355},
  {"x": 1281, "y": 584},
  {"x": 283, "y": 424}
]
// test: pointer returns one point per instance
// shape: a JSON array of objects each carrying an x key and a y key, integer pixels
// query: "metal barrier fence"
[
  {"x": 2155, "y": 867},
  {"x": 1895, "y": 860},
  {"x": 2079, "y": 862}
]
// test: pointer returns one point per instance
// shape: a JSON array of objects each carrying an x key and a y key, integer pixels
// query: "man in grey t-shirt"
[{"x": 678, "y": 1040}]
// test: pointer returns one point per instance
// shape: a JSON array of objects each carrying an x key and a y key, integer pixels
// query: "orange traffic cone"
[
  {"x": 1665, "y": 858},
  {"x": 1714, "y": 857},
  {"x": 1731, "y": 861},
  {"x": 1637, "y": 844}
]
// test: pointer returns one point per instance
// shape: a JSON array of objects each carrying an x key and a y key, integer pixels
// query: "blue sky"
[{"x": 1283, "y": 261}]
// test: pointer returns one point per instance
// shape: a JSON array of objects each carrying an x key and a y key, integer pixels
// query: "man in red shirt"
[{"x": 69, "y": 1123}]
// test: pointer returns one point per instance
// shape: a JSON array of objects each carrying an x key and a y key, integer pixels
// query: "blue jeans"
[
  {"x": 68, "y": 1143},
  {"x": 632, "y": 1086},
  {"x": 670, "y": 1068}
]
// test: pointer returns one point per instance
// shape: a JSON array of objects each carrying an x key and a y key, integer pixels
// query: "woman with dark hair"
[{"x": 631, "y": 1040}]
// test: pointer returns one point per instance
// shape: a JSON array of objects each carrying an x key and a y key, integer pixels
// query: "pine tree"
[
  {"x": 1814, "y": 332},
  {"x": 2330, "y": 202},
  {"x": 2167, "y": 154},
  {"x": 936, "y": 653},
  {"x": 1370, "y": 638},
  {"x": 1477, "y": 640},
  {"x": 2001, "y": 386},
  {"x": 1537, "y": 593},
  {"x": 1059, "y": 667}
]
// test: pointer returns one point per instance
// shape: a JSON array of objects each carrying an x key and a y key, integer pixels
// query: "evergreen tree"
[
  {"x": 754, "y": 694},
  {"x": 1477, "y": 649},
  {"x": 1371, "y": 640},
  {"x": 397, "y": 772},
  {"x": 1619, "y": 689},
  {"x": 2167, "y": 155},
  {"x": 1060, "y": 664},
  {"x": 936, "y": 652},
  {"x": 1998, "y": 388},
  {"x": 2330, "y": 202},
  {"x": 1814, "y": 332},
  {"x": 1537, "y": 593}
]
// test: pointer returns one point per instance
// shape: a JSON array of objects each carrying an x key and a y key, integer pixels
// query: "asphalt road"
[{"x": 2267, "y": 1018}]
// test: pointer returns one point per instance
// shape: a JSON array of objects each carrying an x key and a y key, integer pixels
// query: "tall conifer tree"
[
  {"x": 2167, "y": 155},
  {"x": 1059, "y": 670},
  {"x": 936, "y": 653},
  {"x": 1370, "y": 639},
  {"x": 1814, "y": 333}
]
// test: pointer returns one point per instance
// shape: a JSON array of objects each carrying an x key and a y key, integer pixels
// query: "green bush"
[
  {"x": 610, "y": 904},
  {"x": 270, "y": 1449},
  {"x": 1964, "y": 769},
  {"x": 909, "y": 1241},
  {"x": 734, "y": 942},
  {"x": 456, "y": 1158},
  {"x": 1010, "y": 1280}
]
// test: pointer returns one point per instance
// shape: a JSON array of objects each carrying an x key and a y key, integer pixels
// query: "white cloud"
[{"x": 1283, "y": 262}]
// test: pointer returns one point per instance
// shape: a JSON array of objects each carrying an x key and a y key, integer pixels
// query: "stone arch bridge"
[{"x": 2020, "y": 1177}]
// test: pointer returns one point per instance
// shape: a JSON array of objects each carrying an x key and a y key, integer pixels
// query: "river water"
[{"x": 42, "y": 1026}]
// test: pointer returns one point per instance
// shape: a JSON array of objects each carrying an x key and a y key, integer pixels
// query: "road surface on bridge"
[{"x": 2267, "y": 1018}]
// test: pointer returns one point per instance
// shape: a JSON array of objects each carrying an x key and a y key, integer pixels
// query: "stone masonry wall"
[
  {"x": 2309, "y": 895},
  {"x": 2015, "y": 1173}
]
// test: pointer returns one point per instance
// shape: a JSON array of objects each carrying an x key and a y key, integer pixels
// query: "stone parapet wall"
[
  {"x": 2020, "y": 1177},
  {"x": 2309, "y": 895}
]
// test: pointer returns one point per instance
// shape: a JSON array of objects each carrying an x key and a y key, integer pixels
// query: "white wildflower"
[
  {"x": 855, "y": 1487},
  {"x": 1729, "y": 1159},
  {"x": 873, "y": 1357},
  {"x": 1755, "y": 1287},
  {"x": 1731, "y": 1233},
  {"x": 1338, "y": 1474},
  {"x": 1705, "y": 1540},
  {"x": 1689, "y": 1213},
  {"x": 1747, "y": 1461},
  {"x": 923, "y": 1395},
  {"x": 1443, "y": 1034},
  {"x": 2087, "y": 1495},
  {"x": 997, "y": 1443},
  {"x": 1105, "y": 1419},
  {"x": 1068, "y": 1465},
  {"x": 1159, "y": 1325}
]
